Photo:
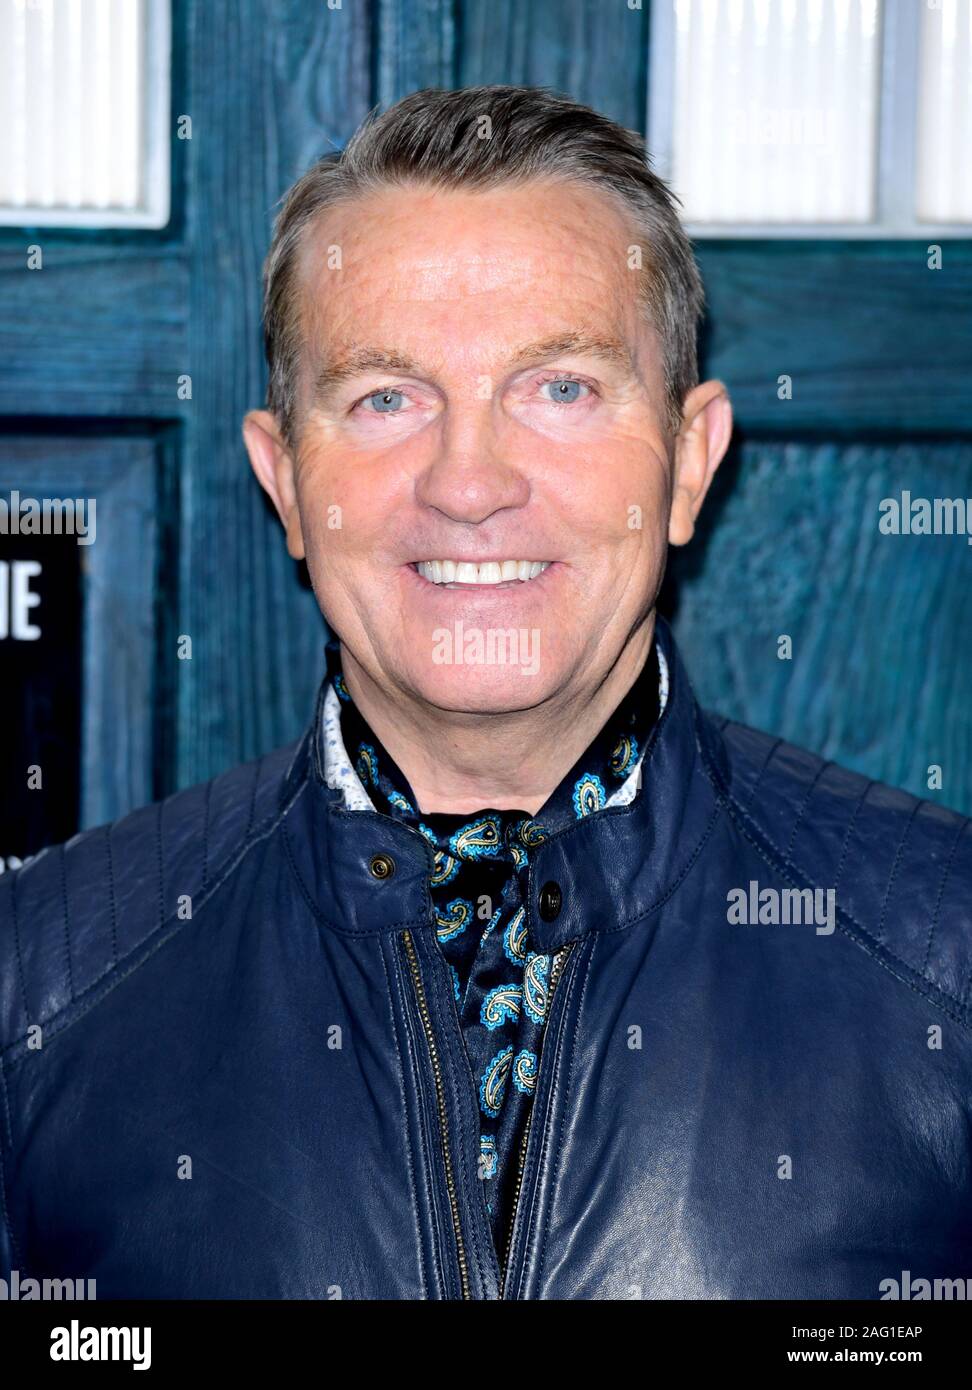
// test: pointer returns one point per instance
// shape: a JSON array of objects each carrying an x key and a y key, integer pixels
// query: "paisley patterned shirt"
[{"x": 478, "y": 886}]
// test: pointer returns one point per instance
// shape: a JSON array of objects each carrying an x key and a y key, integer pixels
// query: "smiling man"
[{"x": 518, "y": 976}]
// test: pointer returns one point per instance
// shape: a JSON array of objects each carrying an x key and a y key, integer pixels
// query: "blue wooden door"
[{"x": 97, "y": 350}]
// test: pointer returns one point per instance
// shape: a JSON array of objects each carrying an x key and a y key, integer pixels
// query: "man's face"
[{"x": 480, "y": 388}]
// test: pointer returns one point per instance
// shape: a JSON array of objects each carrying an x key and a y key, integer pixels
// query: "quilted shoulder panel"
[
  {"x": 76, "y": 912},
  {"x": 901, "y": 867}
]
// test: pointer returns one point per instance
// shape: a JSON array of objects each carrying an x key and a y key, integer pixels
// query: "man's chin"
[{"x": 470, "y": 687}]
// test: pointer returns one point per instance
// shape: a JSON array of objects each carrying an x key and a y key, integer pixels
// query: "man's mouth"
[{"x": 454, "y": 574}]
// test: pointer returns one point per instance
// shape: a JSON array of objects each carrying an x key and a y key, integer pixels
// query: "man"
[{"x": 519, "y": 976}]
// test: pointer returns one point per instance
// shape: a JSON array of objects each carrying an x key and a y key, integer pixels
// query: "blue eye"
[
  {"x": 386, "y": 402},
  {"x": 565, "y": 390}
]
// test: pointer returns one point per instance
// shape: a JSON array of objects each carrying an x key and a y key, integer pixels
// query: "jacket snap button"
[
  {"x": 382, "y": 866},
  {"x": 551, "y": 901}
]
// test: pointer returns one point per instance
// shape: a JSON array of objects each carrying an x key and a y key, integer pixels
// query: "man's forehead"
[
  {"x": 442, "y": 246},
  {"x": 415, "y": 286}
]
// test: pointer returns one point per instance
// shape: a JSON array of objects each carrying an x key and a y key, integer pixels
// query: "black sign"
[{"x": 40, "y": 691}]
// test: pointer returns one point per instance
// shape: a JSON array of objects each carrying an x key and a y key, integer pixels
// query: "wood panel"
[
  {"x": 100, "y": 330},
  {"x": 882, "y": 663},
  {"x": 273, "y": 87},
  {"x": 594, "y": 51},
  {"x": 872, "y": 339}
]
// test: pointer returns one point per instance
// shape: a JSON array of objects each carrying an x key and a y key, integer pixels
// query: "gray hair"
[{"x": 482, "y": 137}]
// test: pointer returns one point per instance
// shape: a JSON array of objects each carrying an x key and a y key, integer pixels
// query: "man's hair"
[{"x": 484, "y": 137}]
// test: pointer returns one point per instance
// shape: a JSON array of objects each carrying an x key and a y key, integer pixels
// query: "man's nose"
[{"x": 472, "y": 473}]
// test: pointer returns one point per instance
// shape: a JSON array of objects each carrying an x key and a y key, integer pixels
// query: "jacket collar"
[{"x": 613, "y": 869}]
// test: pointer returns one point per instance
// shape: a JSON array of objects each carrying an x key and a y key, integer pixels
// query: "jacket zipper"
[
  {"x": 556, "y": 970},
  {"x": 441, "y": 1105}
]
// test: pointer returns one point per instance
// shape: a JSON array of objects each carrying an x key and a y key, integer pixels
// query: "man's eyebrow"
[
  {"x": 360, "y": 360},
  {"x": 582, "y": 344},
  {"x": 356, "y": 362}
]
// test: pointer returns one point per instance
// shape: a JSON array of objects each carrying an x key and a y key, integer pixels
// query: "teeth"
[{"x": 490, "y": 572}]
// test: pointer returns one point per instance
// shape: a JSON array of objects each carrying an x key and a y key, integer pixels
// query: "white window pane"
[
  {"x": 776, "y": 110},
  {"x": 944, "y": 191},
  {"x": 84, "y": 110}
]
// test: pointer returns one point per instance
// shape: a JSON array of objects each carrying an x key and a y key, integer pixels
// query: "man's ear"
[
  {"x": 273, "y": 464},
  {"x": 699, "y": 448}
]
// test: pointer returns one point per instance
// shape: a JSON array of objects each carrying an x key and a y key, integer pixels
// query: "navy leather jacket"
[{"x": 232, "y": 1065}]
